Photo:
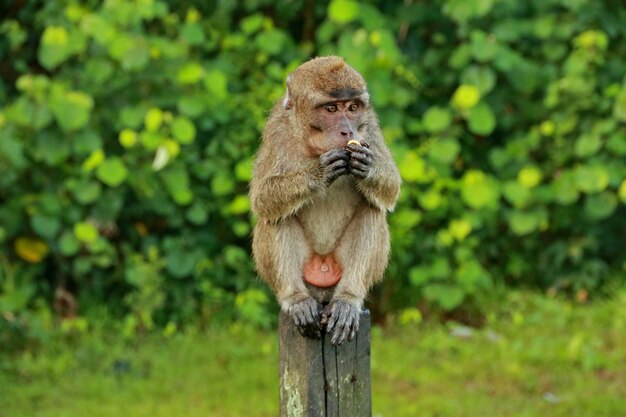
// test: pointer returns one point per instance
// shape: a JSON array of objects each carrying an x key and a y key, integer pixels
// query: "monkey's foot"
[
  {"x": 342, "y": 320},
  {"x": 306, "y": 316}
]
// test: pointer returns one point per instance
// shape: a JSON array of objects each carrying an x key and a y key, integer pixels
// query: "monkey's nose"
[{"x": 348, "y": 133}]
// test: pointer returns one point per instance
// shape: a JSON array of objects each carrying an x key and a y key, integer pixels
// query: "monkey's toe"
[
  {"x": 342, "y": 321},
  {"x": 306, "y": 317}
]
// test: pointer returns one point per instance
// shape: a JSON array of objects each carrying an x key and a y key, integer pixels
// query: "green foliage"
[{"x": 127, "y": 129}]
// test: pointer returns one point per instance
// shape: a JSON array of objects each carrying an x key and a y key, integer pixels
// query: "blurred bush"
[{"x": 127, "y": 130}]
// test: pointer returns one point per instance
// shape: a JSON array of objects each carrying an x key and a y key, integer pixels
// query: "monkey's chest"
[{"x": 326, "y": 218}]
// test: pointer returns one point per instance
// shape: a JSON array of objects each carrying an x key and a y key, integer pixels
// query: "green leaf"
[
  {"x": 430, "y": 200},
  {"x": 617, "y": 144},
  {"x": 591, "y": 178},
  {"x": 71, "y": 109},
  {"x": 481, "y": 76},
  {"x": 460, "y": 228},
  {"x": 587, "y": 145},
  {"x": 45, "y": 226},
  {"x": 193, "y": 33},
  {"x": 600, "y": 206},
  {"x": 24, "y": 112},
  {"x": 437, "y": 119},
  {"x": 447, "y": 296},
  {"x": 222, "y": 184},
  {"x": 343, "y": 11},
  {"x": 69, "y": 245},
  {"x": 190, "y": 73},
  {"x": 127, "y": 138},
  {"x": 619, "y": 108},
  {"x": 54, "y": 47},
  {"x": 197, "y": 214},
  {"x": 406, "y": 219},
  {"x": 94, "y": 160},
  {"x": 414, "y": 169},
  {"x": 478, "y": 190},
  {"x": 483, "y": 46},
  {"x": 183, "y": 130},
  {"x": 112, "y": 172},
  {"x": 86, "y": 232},
  {"x": 481, "y": 120},
  {"x": 243, "y": 170},
  {"x": 151, "y": 140},
  {"x": 622, "y": 192},
  {"x": 272, "y": 42},
  {"x": 529, "y": 176},
  {"x": 516, "y": 194},
  {"x": 252, "y": 23},
  {"x": 51, "y": 148},
  {"x": 464, "y": 10},
  {"x": 444, "y": 151},
  {"x": 565, "y": 188},
  {"x": 177, "y": 183},
  {"x": 87, "y": 192},
  {"x": 465, "y": 97},
  {"x": 180, "y": 262},
  {"x": 239, "y": 205},
  {"x": 523, "y": 223},
  {"x": 153, "y": 119},
  {"x": 191, "y": 105},
  {"x": 216, "y": 83}
]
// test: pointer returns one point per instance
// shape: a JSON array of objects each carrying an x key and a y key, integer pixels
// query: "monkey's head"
[{"x": 328, "y": 101}]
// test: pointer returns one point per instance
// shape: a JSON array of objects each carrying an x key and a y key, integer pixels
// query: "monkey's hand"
[
  {"x": 306, "y": 316},
  {"x": 342, "y": 320},
  {"x": 334, "y": 164},
  {"x": 361, "y": 158}
]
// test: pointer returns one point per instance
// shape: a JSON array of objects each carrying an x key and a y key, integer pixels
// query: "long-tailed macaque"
[{"x": 323, "y": 181}]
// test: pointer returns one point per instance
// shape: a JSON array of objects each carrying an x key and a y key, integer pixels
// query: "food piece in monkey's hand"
[{"x": 356, "y": 142}]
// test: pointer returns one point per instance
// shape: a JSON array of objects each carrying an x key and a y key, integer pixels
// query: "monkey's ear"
[{"x": 288, "y": 101}]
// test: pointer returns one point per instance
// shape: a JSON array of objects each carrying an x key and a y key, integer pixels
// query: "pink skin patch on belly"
[{"x": 322, "y": 271}]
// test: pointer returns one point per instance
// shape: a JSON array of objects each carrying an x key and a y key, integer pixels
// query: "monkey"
[{"x": 323, "y": 181}]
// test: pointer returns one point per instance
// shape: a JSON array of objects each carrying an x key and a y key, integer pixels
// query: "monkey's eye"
[
  {"x": 330, "y": 108},
  {"x": 353, "y": 107}
]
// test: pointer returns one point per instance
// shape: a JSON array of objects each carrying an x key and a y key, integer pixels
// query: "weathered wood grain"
[{"x": 318, "y": 379}]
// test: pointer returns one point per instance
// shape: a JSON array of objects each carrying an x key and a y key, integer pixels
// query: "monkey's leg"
[
  {"x": 363, "y": 252},
  {"x": 285, "y": 244}
]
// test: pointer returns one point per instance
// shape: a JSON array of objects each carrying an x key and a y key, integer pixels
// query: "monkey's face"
[
  {"x": 335, "y": 122},
  {"x": 328, "y": 102}
]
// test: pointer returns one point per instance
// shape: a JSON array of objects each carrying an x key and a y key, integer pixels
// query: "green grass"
[{"x": 535, "y": 357}]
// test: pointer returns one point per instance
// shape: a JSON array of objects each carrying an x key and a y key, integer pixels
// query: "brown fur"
[{"x": 298, "y": 212}]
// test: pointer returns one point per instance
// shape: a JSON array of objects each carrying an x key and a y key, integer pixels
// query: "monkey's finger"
[
  {"x": 361, "y": 157},
  {"x": 334, "y": 317},
  {"x": 359, "y": 173},
  {"x": 333, "y": 155},
  {"x": 359, "y": 149},
  {"x": 307, "y": 316},
  {"x": 313, "y": 312},
  {"x": 354, "y": 328},
  {"x": 359, "y": 166},
  {"x": 339, "y": 336},
  {"x": 343, "y": 316}
]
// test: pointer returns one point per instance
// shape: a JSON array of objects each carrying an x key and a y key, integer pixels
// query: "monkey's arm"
[
  {"x": 378, "y": 178},
  {"x": 280, "y": 192}
]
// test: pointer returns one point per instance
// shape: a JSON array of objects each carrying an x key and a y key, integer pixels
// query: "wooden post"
[{"x": 318, "y": 379}]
